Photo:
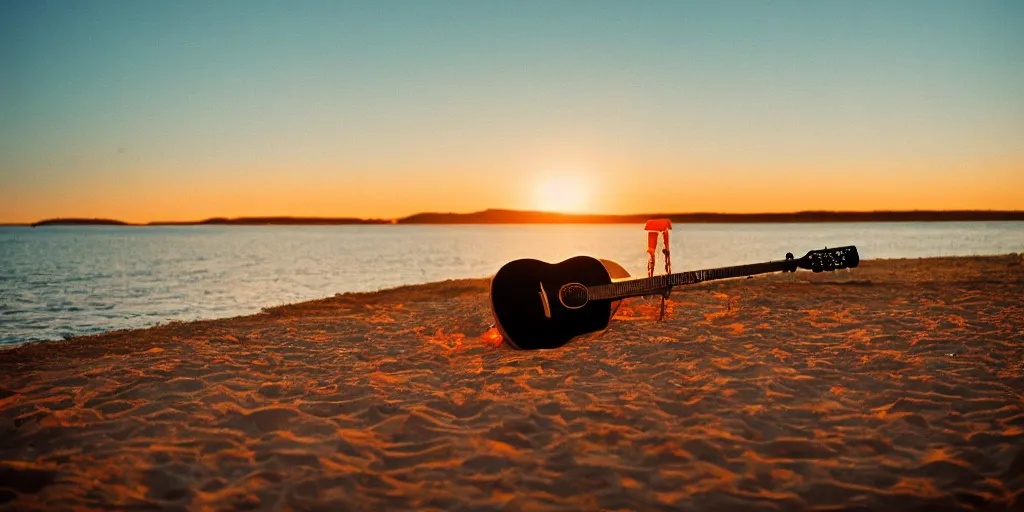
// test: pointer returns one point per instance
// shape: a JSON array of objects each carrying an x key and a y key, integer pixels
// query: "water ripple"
[{"x": 59, "y": 281}]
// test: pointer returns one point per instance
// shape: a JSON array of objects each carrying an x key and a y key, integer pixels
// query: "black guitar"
[{"x": 537, "y": 305}]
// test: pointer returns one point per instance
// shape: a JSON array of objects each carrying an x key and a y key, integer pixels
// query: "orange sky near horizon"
[{"x": 852, "y": 186}]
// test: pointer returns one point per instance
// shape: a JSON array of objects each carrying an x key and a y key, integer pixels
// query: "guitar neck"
[{"x": 658, "y": 284}]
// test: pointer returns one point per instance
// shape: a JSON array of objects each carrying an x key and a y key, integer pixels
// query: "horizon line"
[{"x": 495, "y": 216}]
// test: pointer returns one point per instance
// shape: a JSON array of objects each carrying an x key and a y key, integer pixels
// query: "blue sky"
[{"x": 184, "y": 109}]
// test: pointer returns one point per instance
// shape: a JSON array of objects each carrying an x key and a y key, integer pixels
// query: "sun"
[{"x": 562, "y": 194}]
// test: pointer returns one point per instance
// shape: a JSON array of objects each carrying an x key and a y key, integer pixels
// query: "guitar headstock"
[{"x": 822, "y": 260}]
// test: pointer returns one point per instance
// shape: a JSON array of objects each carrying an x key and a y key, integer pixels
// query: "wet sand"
[{"x": 898, "y": 385}]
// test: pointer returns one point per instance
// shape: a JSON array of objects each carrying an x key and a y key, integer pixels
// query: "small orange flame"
[{"x": 491, "y": 338}]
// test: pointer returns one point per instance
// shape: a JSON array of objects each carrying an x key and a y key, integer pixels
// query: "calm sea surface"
[{"x": 62, "y": 281}]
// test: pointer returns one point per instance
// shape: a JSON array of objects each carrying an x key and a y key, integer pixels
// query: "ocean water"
[{"x": 61, "y": 281}]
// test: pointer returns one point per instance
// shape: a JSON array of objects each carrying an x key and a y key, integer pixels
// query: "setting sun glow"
[
  {"x": 563, "y": 194},
  {"x": 135, "y": 112}
]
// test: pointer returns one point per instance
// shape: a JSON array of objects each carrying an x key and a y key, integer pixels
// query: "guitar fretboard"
[{"x": 658, "y": 284}]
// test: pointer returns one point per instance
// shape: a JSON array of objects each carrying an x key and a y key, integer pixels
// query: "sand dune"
[{"x": 895, "y": 386}]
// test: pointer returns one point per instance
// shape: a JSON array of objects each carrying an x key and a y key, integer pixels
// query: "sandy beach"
[{"x": 898, "y": 385}]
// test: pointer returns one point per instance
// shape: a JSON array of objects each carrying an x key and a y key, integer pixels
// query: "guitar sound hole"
[{"x": 573, "y": 295}]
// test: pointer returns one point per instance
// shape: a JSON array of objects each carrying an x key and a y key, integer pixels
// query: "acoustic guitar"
[{"x": 538, "y": 305}]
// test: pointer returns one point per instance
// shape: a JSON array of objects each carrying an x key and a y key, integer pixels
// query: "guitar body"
[{"x": 527, "y": 308}]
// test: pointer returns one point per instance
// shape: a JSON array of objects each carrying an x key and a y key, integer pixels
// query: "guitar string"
[{"x": 649, "y": 285}]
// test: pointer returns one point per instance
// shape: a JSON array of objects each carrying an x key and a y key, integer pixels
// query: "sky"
[{"x": 185, "y": 110}]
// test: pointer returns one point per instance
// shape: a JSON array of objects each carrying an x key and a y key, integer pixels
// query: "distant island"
[
  {"x": 537, "y": 217},
  {"x": 240, "y": 221},
  {"x": 258, "y": 221},
  {"x": 80, "y": 222}
]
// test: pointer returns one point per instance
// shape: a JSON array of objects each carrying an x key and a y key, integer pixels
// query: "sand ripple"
[{"x": 895, "y": 386}]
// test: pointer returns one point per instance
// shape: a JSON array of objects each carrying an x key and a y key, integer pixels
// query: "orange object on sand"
[{"x": 654, "y": 227}]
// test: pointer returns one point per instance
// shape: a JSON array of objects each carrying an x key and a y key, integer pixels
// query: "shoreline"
[
  {"x": 263, "y": 310},
  {"x": 412, "y": 288},
  {"x": 895, "y": 385}
]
